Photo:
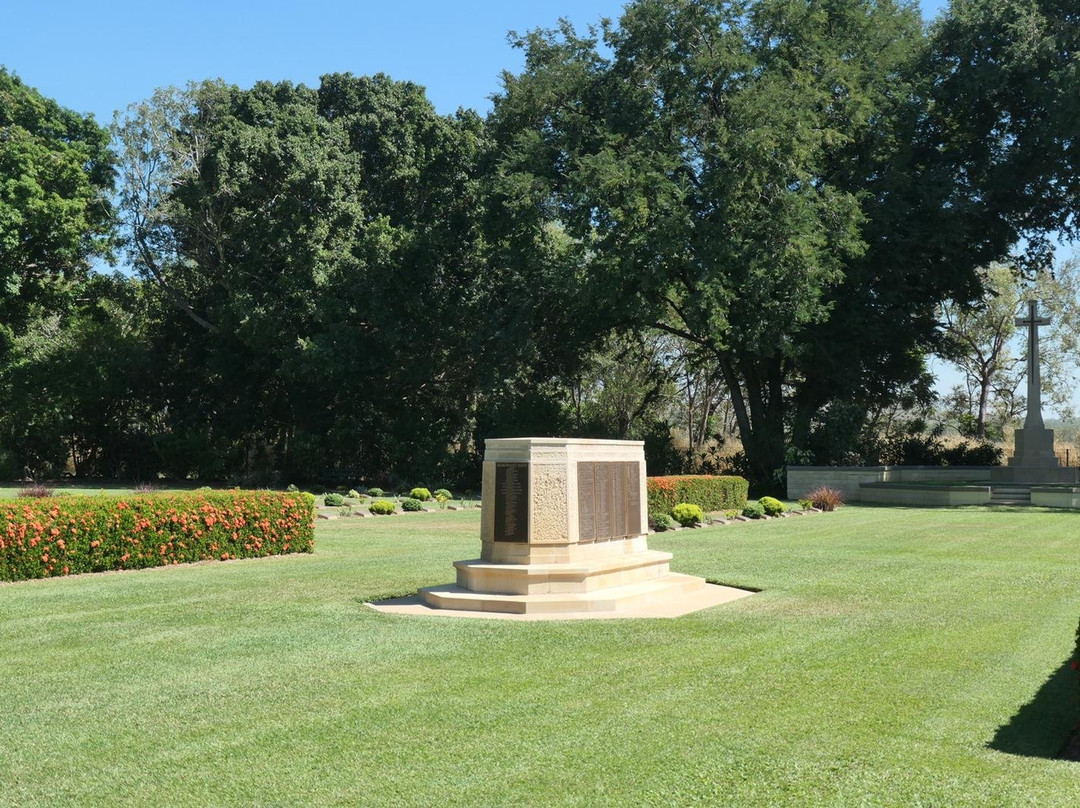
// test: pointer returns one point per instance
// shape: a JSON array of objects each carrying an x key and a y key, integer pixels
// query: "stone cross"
[{"x": 1034, "y": 419}]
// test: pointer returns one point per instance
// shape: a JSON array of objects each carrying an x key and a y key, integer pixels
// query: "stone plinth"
[{"x": 563, "y": 533}]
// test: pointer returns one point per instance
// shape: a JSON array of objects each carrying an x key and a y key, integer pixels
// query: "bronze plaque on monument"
[
  {"x": 512, "y": 502},
  {"x": 602, "y": 497},
  {"x": 586, "y": 484},
  {"x": 633, "y": 499},
  {"x": 609, "y": 501}
]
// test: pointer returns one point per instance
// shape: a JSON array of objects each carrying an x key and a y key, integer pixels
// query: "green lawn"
[{"x": 895, "y": 657}]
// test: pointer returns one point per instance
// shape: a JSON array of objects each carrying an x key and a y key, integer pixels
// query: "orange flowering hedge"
[
  {"x": 709, "y": 492},
  {"x": 42, "y": 538}
]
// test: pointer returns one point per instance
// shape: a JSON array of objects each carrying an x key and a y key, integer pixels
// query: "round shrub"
[
  {"x": 353, "y": 494},
  {"x": 375, "y": 492},
  {"x": 772, "y": 506},
  {"x": 662, "y": 522},
  {"x": 753, "y": 510},
  {"x": 444, "y": 493},
  {"x": 292, "y": 489},
  {"x": 333, "y": 500},
  {"x": 687, "y": 515},
  {"x": 412, "y": 504},
  {"x": 421, "y": 494},
  {"x": 381, "y": 507},
  {"x": 806, "y": 504}
]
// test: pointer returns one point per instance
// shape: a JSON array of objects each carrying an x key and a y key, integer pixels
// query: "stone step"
[
  {"x": 542, "y": 579},
  {"x": 582, "y": 576},
  {"x": 672, "y": 585}
]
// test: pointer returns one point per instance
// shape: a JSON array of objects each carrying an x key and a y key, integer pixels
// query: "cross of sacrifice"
[{"x": 1034, "y": 419}]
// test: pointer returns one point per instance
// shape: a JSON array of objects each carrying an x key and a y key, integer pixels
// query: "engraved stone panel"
[
  {"x": 609, "y": 500},
  {"x": 618, "y": 511},
  {"x": 633, "y": 499},
  {"x": 586, "y": 473},
  {"x": 602, "y": 498},
  {"x": 512, "y": 502}
]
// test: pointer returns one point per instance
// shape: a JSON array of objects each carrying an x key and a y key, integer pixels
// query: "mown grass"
[{"x": 894, "y": 657}]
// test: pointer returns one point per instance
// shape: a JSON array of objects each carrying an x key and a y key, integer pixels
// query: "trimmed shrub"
[
  {"x": 56, "y": 536},
  {"x": 444, "y": 493},
  {"x": 754, "y": 510},
  {"x": 412, "y": 504},
  {"x": 381, "y": 507},
  {"x": 353, "y": 494},
  {"x": 375, "y": 492},
  {"x": 661, "y": 522},
  {"x": 825, "y": 498},
  {"x": 687, "y": 514},
  {"x": 806, "y": 503},
  {"x": 732, "y": 514},
  {"x": 772, "y": 506},
  {"x": 708, "y": 492},
  {"x": 333, "y": 500},
  {"x": 292, "y": 489},
  {"x": 35, "y": 492},
  {"x": 421, "y": 494}
]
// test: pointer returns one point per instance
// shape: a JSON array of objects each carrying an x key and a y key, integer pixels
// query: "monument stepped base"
[
  {"x": 608, "y": 599},
  {"x": 563, "y": 535},
  {"x": 654, "y": 604}
]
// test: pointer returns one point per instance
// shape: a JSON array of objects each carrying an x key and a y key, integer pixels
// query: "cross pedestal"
[{"x": 1033, "y": 458}]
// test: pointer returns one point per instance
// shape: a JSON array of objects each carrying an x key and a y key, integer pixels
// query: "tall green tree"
[
  {"x": 322, "y": 251},
  {"x": 56, "y": 173},
  {"x": 791, "y": 186}
]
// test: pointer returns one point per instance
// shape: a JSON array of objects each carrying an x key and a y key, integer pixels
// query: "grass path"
[{"x": 895, "y": 657}]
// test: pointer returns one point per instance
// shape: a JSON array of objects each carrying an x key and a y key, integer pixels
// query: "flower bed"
[{"x": 42, "y": 538}]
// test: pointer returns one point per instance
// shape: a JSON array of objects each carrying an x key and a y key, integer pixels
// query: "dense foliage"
[
  {"x": 711, "y": 493},
  {"x": 47, "y": 537},
  {"x": 693, "y": 222}
]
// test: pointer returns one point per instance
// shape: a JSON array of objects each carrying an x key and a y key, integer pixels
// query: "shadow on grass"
[{"x": 1041, "y": 728}]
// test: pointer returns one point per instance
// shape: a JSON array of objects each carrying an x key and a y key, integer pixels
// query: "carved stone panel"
[
  {"x": 609, "y": 500},
  {"x": 603, "y": 499},
  {"x": 633, "y": 499},
  {"x": 586, "y": 485},
  {"x": 512, "y": 502}
]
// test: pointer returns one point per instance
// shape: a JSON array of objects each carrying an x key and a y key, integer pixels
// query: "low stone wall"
[
  {"x": 1056, "y": 497},
  {"x": 924, "y": 495},
  {"x": 847, "y": 479}
]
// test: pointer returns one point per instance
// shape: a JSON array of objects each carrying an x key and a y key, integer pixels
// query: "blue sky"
[{"x": 100, "y": 57}]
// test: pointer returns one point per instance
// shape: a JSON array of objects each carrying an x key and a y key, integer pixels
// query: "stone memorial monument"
[
  {"x": 563, "y": 533},
  {"x": 1033, "y": 459}
]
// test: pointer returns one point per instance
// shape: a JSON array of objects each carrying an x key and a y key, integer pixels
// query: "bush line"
[
  {"x": 51, "y": 537},
  {"x": 709, "y": 492}
]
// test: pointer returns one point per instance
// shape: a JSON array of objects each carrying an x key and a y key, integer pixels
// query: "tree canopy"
[
  {"x": 791, "y": 187},
  {"x": 747, "y": 212}
]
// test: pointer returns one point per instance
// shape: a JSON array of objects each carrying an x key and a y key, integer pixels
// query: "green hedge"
[
  {"x": 42, "y": 538},
  {"x": 710, "y": 492}
]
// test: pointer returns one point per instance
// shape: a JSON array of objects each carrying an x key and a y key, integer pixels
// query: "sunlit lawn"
[{"x": 895, "y": 657}]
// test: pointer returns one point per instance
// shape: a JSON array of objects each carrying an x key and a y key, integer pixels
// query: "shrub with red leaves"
[
  {"x": 35, "y": 491},
  {"x": 825, "y": 498}
]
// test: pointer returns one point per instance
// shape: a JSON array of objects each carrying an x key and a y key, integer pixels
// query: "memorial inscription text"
[
  {"x": 609, "y": 500},
  {"x": 512, "y": 502}
]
